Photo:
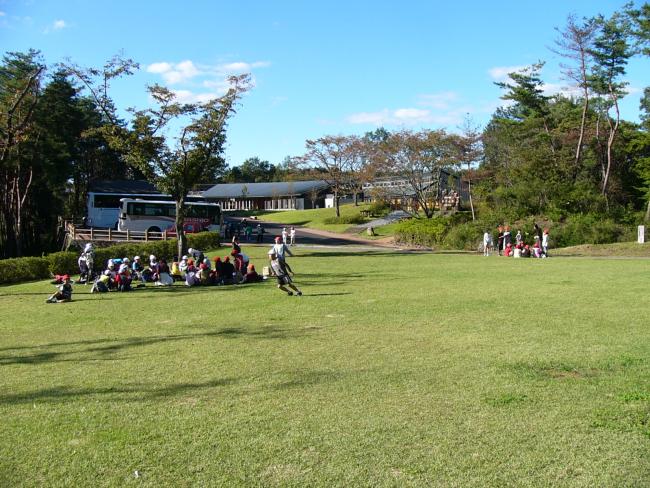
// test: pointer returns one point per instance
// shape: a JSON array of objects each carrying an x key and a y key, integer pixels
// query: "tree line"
[{"x": 562, "y": 154}]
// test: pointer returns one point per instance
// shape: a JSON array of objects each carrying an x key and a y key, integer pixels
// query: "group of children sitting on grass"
[
  {"x": 195, "y": 269},
  {"x": 518, "y": 249}
]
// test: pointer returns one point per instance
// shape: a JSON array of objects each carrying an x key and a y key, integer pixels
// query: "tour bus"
[
  {"x": 160, "y": 215},
  {"x": 103, "y": 209}
]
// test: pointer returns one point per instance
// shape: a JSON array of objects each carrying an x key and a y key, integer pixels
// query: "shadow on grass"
[
  {"x": 326, "y": 294},
  {"x": 176, "y": 290},
  {"x": 100, "y": 348},
  {"x": 148, "y": 392},
  {"x": 134, "y": 393}
]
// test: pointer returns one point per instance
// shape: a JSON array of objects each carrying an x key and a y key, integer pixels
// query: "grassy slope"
[
  {"x": 619, "y": 249},
  {"x": 314, "y": 218},
  {"x": 392, "y": 370}
]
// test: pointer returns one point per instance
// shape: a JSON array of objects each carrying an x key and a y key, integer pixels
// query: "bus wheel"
[{"x": 153, "y": 229}]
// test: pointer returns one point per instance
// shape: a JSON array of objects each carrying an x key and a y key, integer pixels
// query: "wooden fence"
[{"x": 82, "y": 234}]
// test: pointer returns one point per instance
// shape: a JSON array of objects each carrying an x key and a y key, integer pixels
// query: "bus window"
[{"x": 107, "y": 201}]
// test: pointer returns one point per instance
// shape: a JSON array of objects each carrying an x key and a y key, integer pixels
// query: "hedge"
[
  {"x": 17, "y": 270},
  {"x": 345, "y": 219},
  {"x": 421, "y": 232}
]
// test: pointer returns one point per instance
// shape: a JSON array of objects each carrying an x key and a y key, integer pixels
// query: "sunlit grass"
[{"x": 392, "y": 370}]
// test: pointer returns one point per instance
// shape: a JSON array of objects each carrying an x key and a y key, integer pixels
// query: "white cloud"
[
  {"x": 187, "y": 96},
  {"x": 213, "y": 75},
  {"x": 54, "y": 26},
  {"x": 175, "y": 73},
  {"x": 438, "y": 101},
  {"x": 2, "y": 14},
  {"x": 400, "y": 116},
  {"x": 159, "y": 67},
  {"x": 500, "y": 73}
]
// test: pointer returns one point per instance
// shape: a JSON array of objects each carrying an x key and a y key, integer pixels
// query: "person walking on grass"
[
  {"x": 281, "y": 250},
  {"x": 292, "y": 236},
  {"x": 279, "y": 268}
]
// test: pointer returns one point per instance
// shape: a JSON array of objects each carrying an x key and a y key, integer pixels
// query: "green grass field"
[
  {"x": 314, "y": 218},
  {"x": 392, "y": 370}
]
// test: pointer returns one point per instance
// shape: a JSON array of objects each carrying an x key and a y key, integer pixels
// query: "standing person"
[
  {"x": 507, "y": 237},
  {"x": 292, "y": 236},
  {"x": 281, "y": 250},
  {"x": 537, "y": 232},
  {"x": 284, "y": 235},
  {"x": 260, "y": 233},
  {"x": 487, "y": 243},
  {"x": 500, "y": 240},
  {"x": 518, "y": 238},
  {"x": 282, "y": 275},
  {"x": 64, "y": 294},
  {"x": 235, "y": 244},
  {"x": 545, "y": 243},
  {"x": 248, "y": 231}
]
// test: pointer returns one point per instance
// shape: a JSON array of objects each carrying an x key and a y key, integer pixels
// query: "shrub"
[
  {"x": 421, "y": 232},
  {"x": 466, "y": 236},
  {"x": 379, "y": 208},
  {"x": 345, "y": 219},
  {"x": 63, "y": 262},
  {"x": 16, "y": 270},
  {"x": 590, "y": 229},
  {"x": 161, "y": 249},
  {"x": 204, "y": 240}
]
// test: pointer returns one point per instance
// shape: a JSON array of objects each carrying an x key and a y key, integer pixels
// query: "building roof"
[
  {"x": 273, "y": 189},
  {"x": 123, "y": 186}
]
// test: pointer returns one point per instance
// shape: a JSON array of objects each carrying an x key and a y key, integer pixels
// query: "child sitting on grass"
[
  {"x": 64, "y": 294},
  {"x": 281, "y": 273}
]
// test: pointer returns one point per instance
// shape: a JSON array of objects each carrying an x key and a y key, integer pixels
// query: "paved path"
[{"x": 306, "y": 236}]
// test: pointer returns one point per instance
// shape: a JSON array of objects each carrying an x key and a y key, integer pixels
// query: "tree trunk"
[
  {"x": 610, "y": 141},
  {"x": 647, "y": 213},
  {"x": 336, "y": 203},
  {"x": 180, "y": 232},
  {"x": 469, "y": 192}
]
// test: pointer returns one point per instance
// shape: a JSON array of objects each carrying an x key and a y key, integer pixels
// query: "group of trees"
[
  {"x": 51, "y": 147},
  {"x": 556, "y": 154},
  {"x": 415, "y": 157},
  {"x": 569, "y": 154},
  {"x": 559, "y": 154},
  {"x": 59, "y": 133}
]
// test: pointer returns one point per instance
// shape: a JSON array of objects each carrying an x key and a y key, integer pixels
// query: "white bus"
[
  {"x": 103, "y": 209},
  {"x": 160, "y": 215}
]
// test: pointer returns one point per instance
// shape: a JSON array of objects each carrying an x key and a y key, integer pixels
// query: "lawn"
[
  {"x": 392, "y": 370},
  {"x": 314, "y": 218}
]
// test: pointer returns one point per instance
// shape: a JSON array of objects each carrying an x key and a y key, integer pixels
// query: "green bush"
[
  {"x": 16, "y": 270},
  {"x": 161, "y": 249},
  {"x": 466, "y": 236},
  {"x": 379, "y": 208},
  {"x": 421, "y": 232},
  {"x": 345, "y": 219},
  {"x": 63, "y": 262},
  {"x": 204, "y": 240},
  {"x": 590, "y": 229}
]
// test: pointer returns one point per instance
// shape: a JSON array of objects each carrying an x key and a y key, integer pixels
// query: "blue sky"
[{"x": 321, "y": 68}]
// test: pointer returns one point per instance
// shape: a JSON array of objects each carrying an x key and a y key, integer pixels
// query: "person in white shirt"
[
  {"x": 292, "y": 236},
  {"x": 487, "y": 242},
  {"x": 284, "y": 234},
  {"x": 545, "y": 243},
  {"x": 280, "y": 249}
]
